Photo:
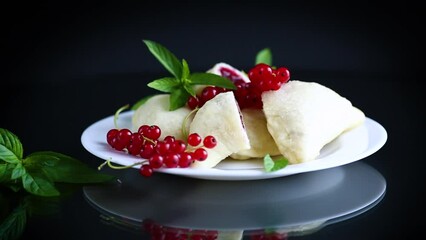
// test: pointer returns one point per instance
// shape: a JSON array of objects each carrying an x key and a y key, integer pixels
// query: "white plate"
[{"x": 350, "y": 146}]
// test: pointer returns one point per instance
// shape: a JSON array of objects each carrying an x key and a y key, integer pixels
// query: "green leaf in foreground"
[
  {"x": 166, "y": 58},
  {"x": 39, "y": 186},
  {"x": 11, "y": 149},
  {"x": 272, "y": 165},
  {"x": 264, "y": 56},
  {"x": 58, "y": 167}
]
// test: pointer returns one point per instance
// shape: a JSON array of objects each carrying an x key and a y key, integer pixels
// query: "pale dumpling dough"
[
  {"x": 220, "y": 117},
  {"x": 302, "y": 117},
  {"x": 261, "y": 141},
  {"x": 156, "y": 111}
]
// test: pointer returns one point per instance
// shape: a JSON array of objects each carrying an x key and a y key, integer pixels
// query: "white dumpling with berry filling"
[
  {"x": 303, "y": 117},
  {"x": 261, "y": 141},
  {"x": 220, "y": 117},
  {"x": 155, "y": 111}
]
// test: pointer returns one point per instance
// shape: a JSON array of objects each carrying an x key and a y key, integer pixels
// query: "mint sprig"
[
  {"x": 271, "y": 165},
  {"x": 264, "y": 56},
  {"x": 39, "y": 171},
  {"x": 181, "y": 85}
]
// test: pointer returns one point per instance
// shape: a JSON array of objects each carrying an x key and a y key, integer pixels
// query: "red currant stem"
[
  {"x": 185, "y": 123},
  {"x": 118, "y": 113},
  {"x": 108, "y": 162},
  {"x": 149, "y": 140}
]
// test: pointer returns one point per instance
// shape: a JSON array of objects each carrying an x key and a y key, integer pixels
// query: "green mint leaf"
[
  {"x": 166, "y": 58},
  {"x": 167, "y": 84},
  {"x": 271, "y": 165},
  {"x": 185, "y": 69},
  {"x": 18, "y": 171},
  {"x": 189, "y": 89},
  {"x": 11, "y": 149},
  {"x": 178, "y": 98},
  {"x": 5, "y": 172},
  {"x": 140, "y": 102},
  {"x": 39, "y": 185},
  {"x": 58, "y": 167},
  {"x": 14, "y": 225},
  {"x": 264, "y": 56},
  {"x": 211, "y": 79}
]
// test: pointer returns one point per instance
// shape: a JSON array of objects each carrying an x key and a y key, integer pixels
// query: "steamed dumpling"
[
  {"x": 302, "y": 117},
  {"x": 261, "y": 141},
  {"x": 156, "y": 111},
  {"x": 220, "y": 117}
]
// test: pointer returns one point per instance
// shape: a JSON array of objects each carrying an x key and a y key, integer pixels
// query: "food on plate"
[
  {"x": 155, "y": 111},
  {"x": 261, "y": 141},
  {"x": 220, "y": 117},
  {"x": 303, "y": 117},
  {"x": 207, "y": 117}
]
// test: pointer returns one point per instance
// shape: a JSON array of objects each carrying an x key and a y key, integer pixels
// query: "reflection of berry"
[
  {"x": 270, "y": 235},
  {"x": 169, "y": 152},
  {"x": 160, "y": 232}
]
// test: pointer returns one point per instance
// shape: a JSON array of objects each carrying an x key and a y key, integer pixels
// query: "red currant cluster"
[
  {"x": 159, "y": 232},
  {"x": 169, "y": 152},
  {"x": 248, "y": 94}
]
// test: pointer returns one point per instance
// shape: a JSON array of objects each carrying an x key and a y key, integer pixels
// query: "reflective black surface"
[{"x": 64, "y": 68}]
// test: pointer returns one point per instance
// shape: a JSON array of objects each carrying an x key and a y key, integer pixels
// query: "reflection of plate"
[
  {"x": 297, "y": 203},
  {"x": 349, "y": 147}
]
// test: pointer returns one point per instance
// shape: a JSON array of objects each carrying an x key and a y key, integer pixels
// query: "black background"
[{"x": 65, "y": 65}]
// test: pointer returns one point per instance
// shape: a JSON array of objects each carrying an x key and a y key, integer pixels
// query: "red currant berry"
[
  {"x": 178, "y": 146},
  {"x": 122, "y": 139},
  {"x": 193, "y": 102},
  {"x": 169, "y": 139},
  {"x": 153, "y": 132},
  {"x": 282, "y": 74},
  {"x": 208, "y": 93},
  {"x": 194, "y": 139},
  {"x": 162, "y": 147},
  {"x": 156, "y": 161},
  {"x": 147, "y": 150},
  {"x": 111, "y": 135},
  {"x": 185, "y": 160},
  {"x": 146, "y": 170},
  {"x": 259, "y": 72},
  {"x": 171, "y": 160},
  {"x": 143, "y": 129},
  {"x": 200, "y": 154},
  {"x": 209, "y": 142}
]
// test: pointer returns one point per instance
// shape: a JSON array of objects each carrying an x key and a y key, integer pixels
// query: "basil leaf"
[
  {"x": 38, "y": 185},
  {"x": 166, "y": 58},
  {"x": 185, "y": 69},
  {"x": 13, "y": 226},
  {"x": 5, "y": 172},
  {"x": 189, "y": 89},
  {"x": 178, "y": 98},
  {"x": 271, "y": 165},
  {"x": 211, "y": 79},
  {"x": 10, "y": 147},
  {"x": 141, "y": 102},
  {"x": 264, "y": 56},
  {"x": 58, "y": 167},
  {"x": 18, "y": 171},
  {"x": 167, "y": 84}
]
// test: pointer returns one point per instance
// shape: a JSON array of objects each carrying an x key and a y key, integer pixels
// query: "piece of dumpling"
[
  {"x": 261, "y": 141},
  {"x": 303, "y": 117},
  {"x": 155, "y": 111},
  {"x": 220, "y": 117}
]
